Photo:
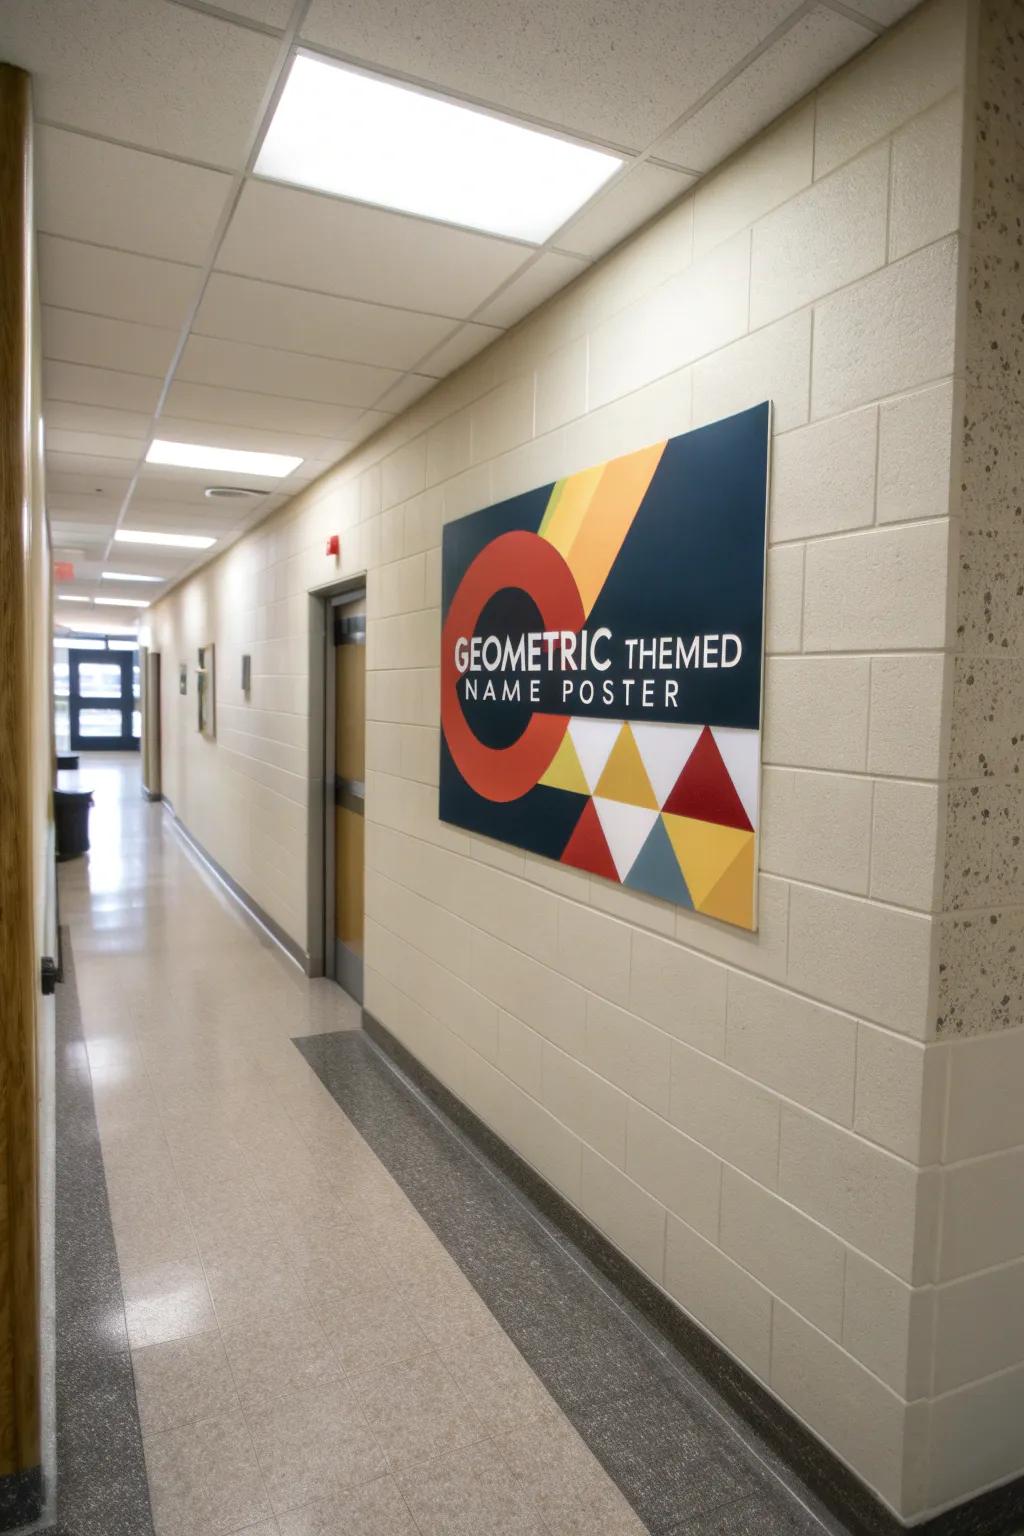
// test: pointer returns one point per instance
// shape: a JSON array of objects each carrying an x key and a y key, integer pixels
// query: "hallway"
[{"x": 308, "y": 1354}]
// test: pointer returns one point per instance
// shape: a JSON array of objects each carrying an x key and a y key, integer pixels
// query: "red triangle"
[
  {"x": 704, "y": 790},
  {"x": 588, "y": 848}
]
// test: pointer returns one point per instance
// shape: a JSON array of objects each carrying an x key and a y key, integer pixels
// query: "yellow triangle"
[
  {"x": 625, "y": 777},
  {"x": 564, "y": 771},
  {"x": 732, "y": 899},
  {"x": 705, "y": 851}
]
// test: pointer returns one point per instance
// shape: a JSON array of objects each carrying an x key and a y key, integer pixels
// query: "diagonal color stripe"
[
  {"x": 609, "y": 515},
  {"x": 570, "y": 501}
]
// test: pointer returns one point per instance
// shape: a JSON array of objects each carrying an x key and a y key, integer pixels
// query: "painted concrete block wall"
[
  {"x": 757, "y": 1121},
  {"x": 978, "y": 1381}
]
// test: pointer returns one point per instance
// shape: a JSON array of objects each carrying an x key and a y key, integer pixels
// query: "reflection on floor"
[{"x": 309, "y": 1355}]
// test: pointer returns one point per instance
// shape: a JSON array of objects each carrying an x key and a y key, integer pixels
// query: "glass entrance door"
[
  {"x": 349, "y": 791},
  {"x": 101, "y": 700}
]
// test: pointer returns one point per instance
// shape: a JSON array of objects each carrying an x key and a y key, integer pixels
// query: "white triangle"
[
  {"x": 593, "y": 740},
  {"x": 741, "y": 754},
  {"x": 626, "y": 829},
  {"x": 664, "y": 750}
]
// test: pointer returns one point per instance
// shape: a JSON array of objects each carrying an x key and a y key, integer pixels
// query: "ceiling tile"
[
  {"x": 792, "y": 66},
  {"x": 170, "y": 518},
  {"x": 239, "y": 407},
  {"x": 615, "y": 71},
  {"x": 368, "y": 423},
  {"x": 161, "y": 76},
  {"x": 266, "y": 370},
  {"x": 86, "y": 517},
  {"x": 550, "y": 272},
  {"x": 186, "y": 487},
  {"x": 99, "y": 387},
  {"x": 307, "y": 241},
  {"x": 467, "y": 341},
  {"x": 106, "y": 282},
  {"x": 409, "y": 389},
  {"x": 87, "y": 466},
  {"x": 89, "y": 508},
  {"x": 111, "y": 196},
  {"x": 623, "y": 208},
  {"x": 95, "y": 444},
  {"x": 107, "y": 488},
  {"x": 66, "y": 417},
  {"x": 273, "y": 13},
  {"x": 79, "y": 534},
  {"x": 885, "y": 11},
  {"x": 221, "y": 435},
  {"x": 242, "y": 309},
  {"x": 73, "y": 338}
]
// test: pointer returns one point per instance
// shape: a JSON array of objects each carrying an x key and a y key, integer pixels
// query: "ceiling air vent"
[{"x": 231, "y": 492}]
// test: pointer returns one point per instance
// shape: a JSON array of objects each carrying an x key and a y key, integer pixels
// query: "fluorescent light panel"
[
  {"x": 70, "y": 597},
  {"x": 376, "y": 141},
  {"x": 169, "y": 540},
  {"x": 238, "y": 461},
  {"x": 127, "y": 576},
  {"x": 121, "y": 602}
]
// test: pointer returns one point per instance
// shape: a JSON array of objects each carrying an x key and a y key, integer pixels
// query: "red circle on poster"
[{"x": 505, "y": 773}]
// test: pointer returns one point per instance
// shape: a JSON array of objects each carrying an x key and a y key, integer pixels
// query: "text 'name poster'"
[{"x": 601, "y": 663}]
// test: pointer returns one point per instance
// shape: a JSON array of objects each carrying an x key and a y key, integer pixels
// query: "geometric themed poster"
[{"x": 601, "y": 668}]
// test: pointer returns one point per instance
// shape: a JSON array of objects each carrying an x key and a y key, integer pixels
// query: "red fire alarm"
[{"x": 334, "y": 544}]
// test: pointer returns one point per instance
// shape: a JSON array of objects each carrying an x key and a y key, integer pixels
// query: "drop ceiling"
[{"x": 186, "y": 298}]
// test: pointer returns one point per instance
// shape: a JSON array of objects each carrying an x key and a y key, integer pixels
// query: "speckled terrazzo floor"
[{"x": 334, "y": 1317}]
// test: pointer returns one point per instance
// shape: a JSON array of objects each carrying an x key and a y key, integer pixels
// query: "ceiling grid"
[{"x": 188, "y": 298}]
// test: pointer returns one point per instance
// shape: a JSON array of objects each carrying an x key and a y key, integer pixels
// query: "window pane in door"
[
  {"x": 62, "y": 726},
  {"x": 99, "y": 722},
  {"x": 99, "y": 680}
]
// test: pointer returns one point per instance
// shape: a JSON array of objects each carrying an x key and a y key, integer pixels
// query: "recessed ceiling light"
[
  {"x": 69, "y": 597},
  {"x": 72, "y": 643},
  {"x": 239, "y": 461},
  {"x": 122, "y": 602},
  {"x": 170, "y": 540},
  {"x": 127, "y": 576},
  {"x": 377, "y": 141}
]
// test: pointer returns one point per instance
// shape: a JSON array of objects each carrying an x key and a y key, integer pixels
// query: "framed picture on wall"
[{"x": 206, "y": 692}]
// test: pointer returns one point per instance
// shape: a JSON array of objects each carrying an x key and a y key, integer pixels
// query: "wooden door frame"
[{"x": 320, "y": 772}]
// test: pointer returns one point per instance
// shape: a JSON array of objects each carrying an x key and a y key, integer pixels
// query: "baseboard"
[
  {"x": 21, "y": 1498},
  {"x": 998, "y": 1512},
  {"x": 293, "y": 950}
]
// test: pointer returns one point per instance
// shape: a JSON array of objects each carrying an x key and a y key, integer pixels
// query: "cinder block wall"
[
  {"x": 977, "y": 1421},
  {"x": 758, "y": 1121}
]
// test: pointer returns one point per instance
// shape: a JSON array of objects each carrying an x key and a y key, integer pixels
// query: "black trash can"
[{"x": 71, "y": 814}]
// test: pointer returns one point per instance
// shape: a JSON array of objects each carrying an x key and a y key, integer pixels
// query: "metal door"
[{"x": 101, "y": 700}]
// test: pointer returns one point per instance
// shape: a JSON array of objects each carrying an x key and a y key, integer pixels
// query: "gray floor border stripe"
[
  {"x": 816, "y": 1490},
  {"x": 680, "y": 1463},
  {"x": 102, "y": 1489}
]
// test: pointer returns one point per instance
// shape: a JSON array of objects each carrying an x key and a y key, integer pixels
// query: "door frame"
[
  {"x": 320, "y": 818},
  {"x": 126, "y": 742}
]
